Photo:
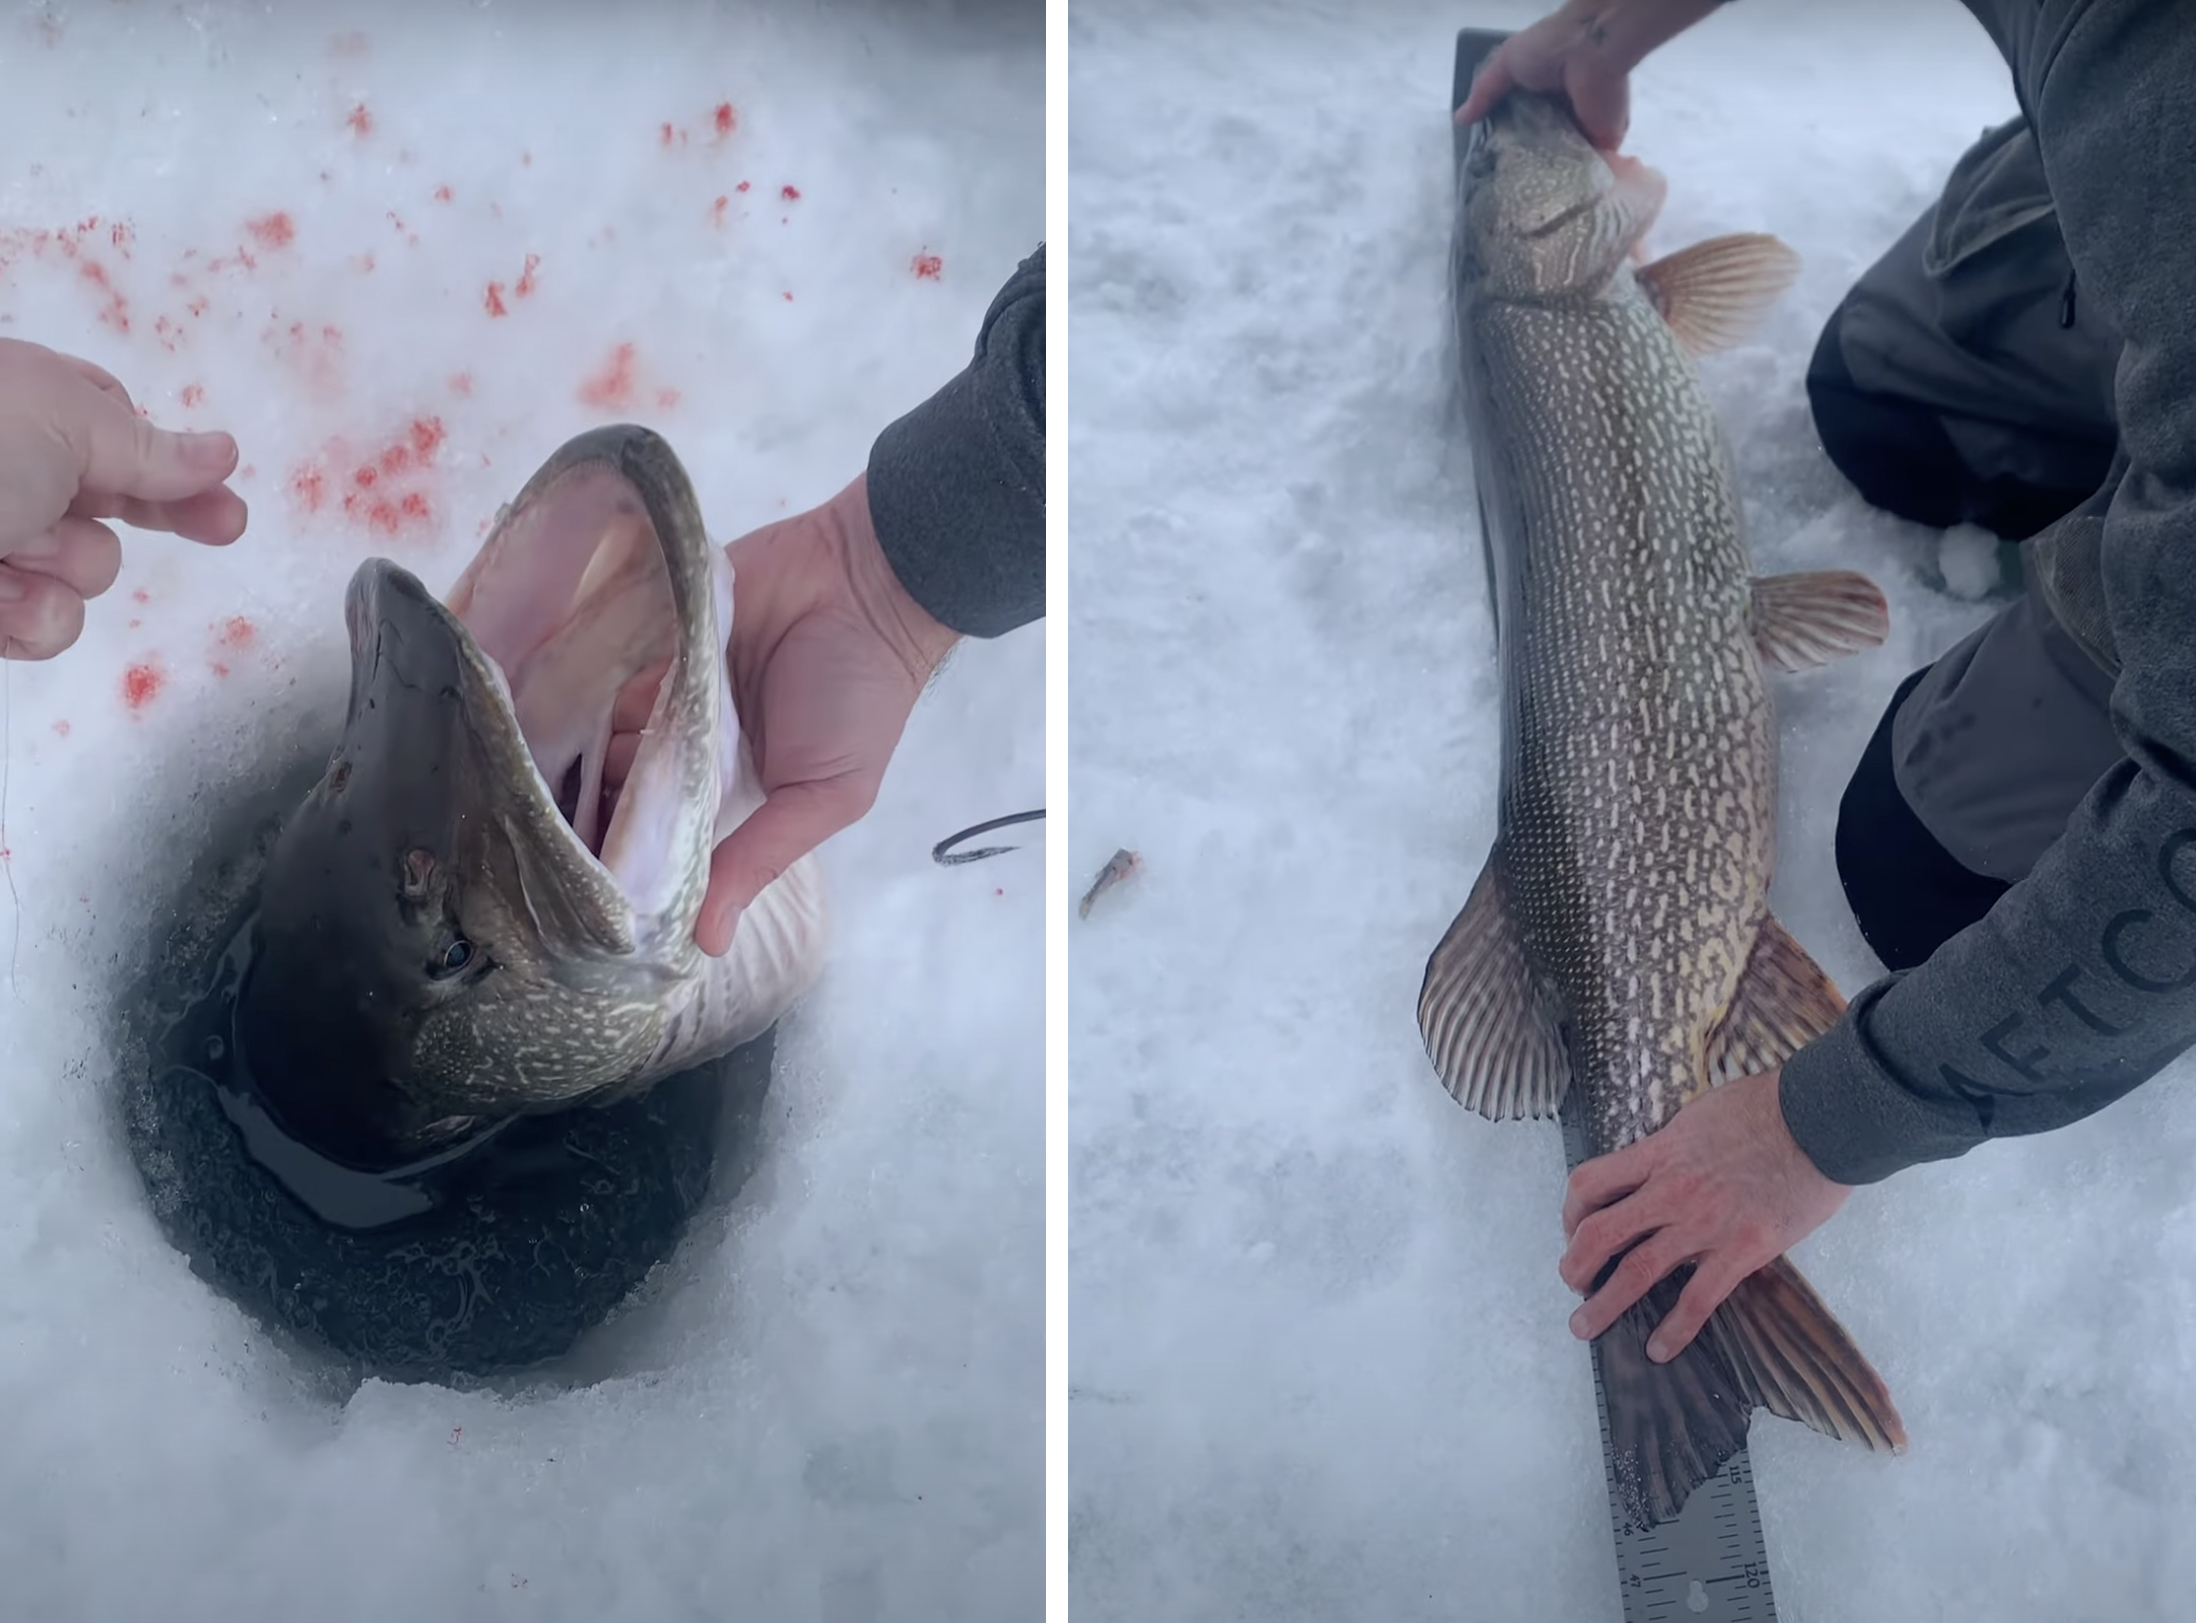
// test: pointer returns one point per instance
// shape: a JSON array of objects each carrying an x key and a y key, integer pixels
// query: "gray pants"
[{"x": 1963, "y": 380}]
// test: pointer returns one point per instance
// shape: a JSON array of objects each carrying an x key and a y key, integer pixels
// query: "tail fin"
[{"x": 1772, "y": 1344}]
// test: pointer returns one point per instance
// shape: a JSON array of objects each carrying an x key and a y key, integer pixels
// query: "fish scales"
[{"x": 1638, "y": 690}]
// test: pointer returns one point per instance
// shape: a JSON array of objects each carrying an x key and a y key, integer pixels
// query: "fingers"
[
  {"x": 78, "y": 552},
  {"x": 1489, "y": 86},
  {"x": 1601, "y": 101},
  {"x": 1605, "y": 1178},
  {"x": 212, "y": 518},
  {"x": 790, "y": 824},
  {"x": 39, "y": 616},
  {"x": 1635, "y": 1276},
  {"x": 117, "y": 450},
  {"x": 1712, "y": 1282},
  {"x": 1603, "y": 1234}
]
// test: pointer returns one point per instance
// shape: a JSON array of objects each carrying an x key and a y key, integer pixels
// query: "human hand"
[
  {"x": 74, "y": 451},
  {"x": 1722, "y": 1185},
  {"x": 828, "y": 656},
  {"x": 1585, "y": 53}
]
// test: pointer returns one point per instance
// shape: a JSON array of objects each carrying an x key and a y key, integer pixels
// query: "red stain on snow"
[
  {"x": 726, "y": 119},
  {"x": 361, "y": 120},
  {"x": 461, "y": 383},
  {"x": 526, "y": 159},
  {"x": 666, "y": 399},
  {"x": 494, "y": 301},
  {"x": 789, "y": 297},
  {"x": 310, "y": 486},
  {"x": 275, "y": 230},
  {"x": 717, "y": 209},
  {"x": 385, "y": 491},
  {"x": 929, "y": 267},
  {"x": 193, "y": 395},
  {"x": 743, "y": 185},
  {"x": 442, "y": 194},
  {"x": 525, "y": 284},
  {"x": 141, "y": 684},
  {"x": 62, "y": 727},
  {"x": 792, "y": 194},
  {"x": 612, "y": 386},
  {"x": 121, "y": 237},
  {"x": 141, "y": 596},
  {"x": 236, "y": 632}
]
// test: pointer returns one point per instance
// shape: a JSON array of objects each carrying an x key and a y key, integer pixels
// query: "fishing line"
[{"x": 946, "y": 857}]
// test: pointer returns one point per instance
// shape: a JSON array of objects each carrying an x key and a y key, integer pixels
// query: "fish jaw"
[{"x": 458, "y": 926}]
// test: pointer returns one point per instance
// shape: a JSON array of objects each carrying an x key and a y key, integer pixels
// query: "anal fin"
[
  {"x": 1784, "y": 1002},
  {"x": 1808, "y": 619},
  {"x": 1486, "y": 1026},
  {"x": 1715, "y": 293}
]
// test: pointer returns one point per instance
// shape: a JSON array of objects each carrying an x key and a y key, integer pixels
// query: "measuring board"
[{"x": 1712, "y": 1562}]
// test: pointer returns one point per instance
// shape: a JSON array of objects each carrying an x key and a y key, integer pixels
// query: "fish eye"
[{"x": 456, "y": 953}]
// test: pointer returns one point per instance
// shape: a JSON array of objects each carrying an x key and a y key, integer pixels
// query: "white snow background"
[
  {"x": 1319, "y": 1363},
  {"x": 830, "y": 1407}
]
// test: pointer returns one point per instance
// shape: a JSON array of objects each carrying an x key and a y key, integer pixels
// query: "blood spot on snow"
[
  {"x": 365, "y": 478},
  {"x": 743, "y": 185},
  {"x": 929, "y": 267},
  {"x": 62, "y": 727},
  {"x": 141, "y": 596},
  {"x": 309, "y": 485},
  {"x": 461, "y": 383},
  {"x": 666, "y": 399},
  {"x": 237, "y": 632},
  {"x": 792, "y": 194},
  {"x": 115, "y": 312},
  {"x": 365, "y": 263},
  {"x": 442, "y": 194},
  {"x": 494, "y": 301},
  {"x": 361, "y": 120},
  {"x": 193, "y": 395},
  {"x": 220, "y": 669},
  {"x": 121, "y": 237},
  {"x": 789, "y": 296},
  {"x": 612, "y": 386},
  {"x": 526, "y": 159},
  {"x": 414, "y": 506},
  {"x": 717, "y": 208},
  {"x": 524, "y": 287},
  {"x": 727, "y": 119},
  {"x": 427, "y": 436},
  {"x": 276, "y": 230},
  {"x": 141, "y": 684}
]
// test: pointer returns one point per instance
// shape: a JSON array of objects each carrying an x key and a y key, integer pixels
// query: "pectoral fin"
[
  {"x": 1809, "y": 619},
  {"x": 1715, "y": 293}
]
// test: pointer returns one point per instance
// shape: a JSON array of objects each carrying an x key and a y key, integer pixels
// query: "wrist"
[
  {"x": 919, "y": 639},
  {"x": 1633, "y": 30}
]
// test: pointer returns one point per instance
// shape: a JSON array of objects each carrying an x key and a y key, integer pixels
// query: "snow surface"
[
  {"x": 1319, "y": 1362},
  {"x": 831, "y": 1408}
]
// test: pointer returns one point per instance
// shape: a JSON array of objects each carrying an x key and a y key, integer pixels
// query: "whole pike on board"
[{"x": 1617, "y": 955}]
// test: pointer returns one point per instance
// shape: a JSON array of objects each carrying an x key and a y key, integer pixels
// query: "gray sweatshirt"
[
  {"x": 957, "y": 486},
  {"x": 2081, "y": 983}
]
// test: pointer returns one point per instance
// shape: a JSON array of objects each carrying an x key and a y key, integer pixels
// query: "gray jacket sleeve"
[
  {"x": 2081, "y": 982},
  {"x": 957, "y": 486}
]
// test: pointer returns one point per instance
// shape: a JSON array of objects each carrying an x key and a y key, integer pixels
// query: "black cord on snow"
[{"x": 943, "y": 853}]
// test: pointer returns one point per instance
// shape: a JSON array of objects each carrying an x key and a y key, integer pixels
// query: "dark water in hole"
[{"x": 490, "y": 1260}]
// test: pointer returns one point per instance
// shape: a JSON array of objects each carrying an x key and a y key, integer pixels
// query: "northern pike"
[
  {"x": 1617, "y": 955},
  {"x": 461, "y": 925}
]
